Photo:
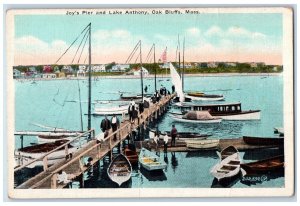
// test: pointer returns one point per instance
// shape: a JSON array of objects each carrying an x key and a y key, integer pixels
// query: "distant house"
[
  {"x": 138, "y": 72},
  {"x": 120, "y": 67},
  {"x": 47, "y": 69},
  {"x": 186, "y": 65},
  {"x": 81, "y": 73},
  {"x": 202, "y": 65},
  {"x": 56, "y": 68},
  {"x": 98, "y": 68},
  {"x": 49, "y": 76},
  {"x": 17, "y": 74},
  {"x": 82, "y": 67},
  {"x": 253, "y": 64},
  {"x": 212, "y": 64},
  {"x": 165, "y": 65},
  {"x": 275, "y": 69},
  {"x": 230, "y": 64},
  {"x": 67, "y": 69},
  {"x": 32, "y": 69}
]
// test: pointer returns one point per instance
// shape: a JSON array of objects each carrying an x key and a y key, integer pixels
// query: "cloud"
[
  {"x": 193, "y": 31},
  {"x": 214, "y": 30}
]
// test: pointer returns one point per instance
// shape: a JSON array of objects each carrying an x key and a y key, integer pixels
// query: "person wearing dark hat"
[
  {"x": 173, "y": 135},
  {"x": 105, "y": 124}
]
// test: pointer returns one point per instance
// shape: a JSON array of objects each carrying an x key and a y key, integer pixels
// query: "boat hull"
[
  {"x": 109, "y": 111},
  {"x": 119, "y": 170},
  {"x": 150, "y": 161},
  {"x": 206, "y": 98},
  {"x": 247, "y": 115},
  {"x": 202, "y": 144},
  {"x": 178, "y": 118},
  {"x": 263, "y": 140}
]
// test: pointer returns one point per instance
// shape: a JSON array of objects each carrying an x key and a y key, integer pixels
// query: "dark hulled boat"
[
  {"x": 132, "y": 156},
  {"x": 263, "y": 140},
  {"x": 274, "y": 164}
]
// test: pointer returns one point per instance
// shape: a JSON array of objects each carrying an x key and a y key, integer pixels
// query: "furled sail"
[{"x": 176, "y": 81}]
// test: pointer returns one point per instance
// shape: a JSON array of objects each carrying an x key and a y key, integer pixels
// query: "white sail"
[{"x": 176, "y": 81}]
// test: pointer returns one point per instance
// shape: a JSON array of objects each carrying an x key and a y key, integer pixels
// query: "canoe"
[
  {"x": 273, "y": 165},
  {"x": 263, "y": 140},
  {"x": 132, "y": 156},
  {"x": 119, "y": 170},
  {"x": 151, "y": 161},
  {"x": 202, "y": 144},
  {"x": 228, "y": 151},
  {"x": 227, "y": 169}
]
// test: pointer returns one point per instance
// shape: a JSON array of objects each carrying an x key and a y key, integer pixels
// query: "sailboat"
[{"x": 27, "y": 154}]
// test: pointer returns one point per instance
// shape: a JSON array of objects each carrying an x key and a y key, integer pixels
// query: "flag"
[{"x": 164, "y": 56}]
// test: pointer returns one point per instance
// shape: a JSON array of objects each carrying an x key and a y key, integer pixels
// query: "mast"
[
  {"x": 81, "y": 122},
  {"x": 183, "y": 64},
  {"x": 179, "y": 57},
  {"x": 142, "y": 86},
  {"x": 155, "y": 68},
  {"x": 90, "y": 89}
]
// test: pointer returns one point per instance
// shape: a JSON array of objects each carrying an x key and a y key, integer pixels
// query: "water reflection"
[
  {"x": 156, "y": 175},
  {"x": 174, "y": 161},
  {"x": 202, "y": 153},
  {"x": 226, "y": 183},
  {"x": 262, "y": 154}
]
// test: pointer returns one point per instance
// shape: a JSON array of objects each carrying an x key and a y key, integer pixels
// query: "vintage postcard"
[{"x": 150, "y": 102}]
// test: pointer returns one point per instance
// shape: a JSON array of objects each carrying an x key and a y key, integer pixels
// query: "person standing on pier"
[
  {"x": 146, "y": 89},
  {"x": 105, "y": 125},
  {"x": 115, "y": 124},
  {"x": 173, "y": 135},
  {"x": 130, "y": 111}
]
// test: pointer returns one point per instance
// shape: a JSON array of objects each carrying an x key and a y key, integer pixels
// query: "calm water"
[{"x": 55, "y": 103}]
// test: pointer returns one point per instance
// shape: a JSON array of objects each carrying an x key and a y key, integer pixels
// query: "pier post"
[
  {"x": 22, "y": 145},
  {"x": 45, "y": 163},
  {"x": 54, "y": 181}
]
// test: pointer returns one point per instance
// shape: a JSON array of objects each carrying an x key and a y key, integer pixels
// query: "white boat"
[
  {"x": 150, "y": 161},
  {"x": 180, "y": 135},
  {"x": 27, "y": 154},
  {"x": 119, "y": 170},
  {"x": 227, "y": 168},
  {"x": 202, "y": 144},
  {"x": 111, "y": 110},
  {"x": 226, "y": 111},
  {"x": 206, "y": 97},
  {"x": 202, "y": 117}
]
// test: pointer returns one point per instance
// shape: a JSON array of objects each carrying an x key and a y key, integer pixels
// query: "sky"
[{"x": 230, "y": 37}]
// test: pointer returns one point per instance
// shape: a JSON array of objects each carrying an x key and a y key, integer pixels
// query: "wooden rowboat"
[
  {"x": 274, "y": 164},
  {"x": 263, "y": 140},
  {"x": 202, "y": 144},
  {"x": 228, "y": 151},
  {"x": 151, "y": 161},
  {"x": 119, "y": 170},
  {"x": 132, "y": 156}
]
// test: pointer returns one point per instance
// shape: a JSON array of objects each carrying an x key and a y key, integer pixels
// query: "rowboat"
[
  {"x": 181, "y": 135},
  {"x": 263, "y": 140},
  {"x": 232, "y": 111},
  {"x": 151, "y": 161},
  {"x": 27, "y": 154},
  {"x": 122, "y": 109},
  {"x": 228, "y": 151},
  {"x": 119, "y": 170},
  {"x": 274, "y": 164},
  {"x": 133, "y": 97},
  {"x": 227, "y": 169},
  {"x": 202, "y": 144},
  {"x": 132, "y": 156},
  {"x": 202, "y": 117}
]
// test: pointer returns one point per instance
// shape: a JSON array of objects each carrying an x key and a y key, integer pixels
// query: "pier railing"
[{"x": 44, "y": 157}]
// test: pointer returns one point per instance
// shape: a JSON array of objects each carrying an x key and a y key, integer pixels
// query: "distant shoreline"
[{"x": 157, "y": 76}]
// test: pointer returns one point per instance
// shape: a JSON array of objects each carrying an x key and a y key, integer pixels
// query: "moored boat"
[
  {"x": 227, "y": 169},
  {"x": 228, "y": 151},
  {"x": 27, "y": 154},
  {"x": 202, "y": 144},
  {"x": 204, "y": 97},
  {"x": 279, "y": 130},
  {"x": 132, "y": 156},
  {"x": 181, "y": 135},
  {"x": 151, "y": 161},
  {"x": 274, "y": 165},
  {"x": 119, "y": 170},
  {"x": 226, "y": 111},
  {"x": 263, "y": 140},
  {"x": 202, "y": 117},
  {"x": 121, "y": 109}
]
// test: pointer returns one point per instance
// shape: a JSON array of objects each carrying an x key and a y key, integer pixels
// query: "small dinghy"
[
  {"x": 119, "y": 170},
  {"x": 228, "y": 151},
  {"x": 227, "y": 169},
  {"x": 202, "y": 144},
  {"x": 263, "y": 140},
  {"x": 132, "y": 156},
  {"x": 202, "y": 117},
  {"x": 151, "y": 161},
  {"x": 111, "y": 110}
]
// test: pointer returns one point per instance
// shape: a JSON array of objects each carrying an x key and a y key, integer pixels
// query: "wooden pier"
[{"x": 74, "y": 166}]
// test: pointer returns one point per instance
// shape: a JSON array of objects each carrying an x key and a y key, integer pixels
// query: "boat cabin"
[{"x": 214, "y": 108}]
